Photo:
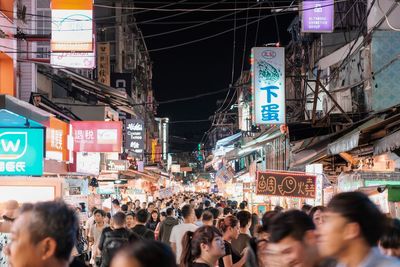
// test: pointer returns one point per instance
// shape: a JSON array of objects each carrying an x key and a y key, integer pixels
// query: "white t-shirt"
[{"x": 177, "y": 234}]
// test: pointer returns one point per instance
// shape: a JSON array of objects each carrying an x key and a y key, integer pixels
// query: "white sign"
[
  {"x": 88, "y": 163},
  {"x": 268, "y": 82},
  {"x": 73, "y": 60}
]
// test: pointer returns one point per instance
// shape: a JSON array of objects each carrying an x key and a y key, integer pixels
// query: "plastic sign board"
[
  {"x": 21, "y": 151},
  {"x": 268, "y": 85},
  {"x": 80, "y": 60},
  {"x": 134, "y": 136},
  {"x": 72, "y": 26},
  {"x": 318, "y": 16},
  {"x": 97, "y": 136},
  {"x": 57, "y": 140}
]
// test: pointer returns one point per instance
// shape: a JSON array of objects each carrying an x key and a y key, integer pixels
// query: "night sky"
[{"x": 204, "y": 66}]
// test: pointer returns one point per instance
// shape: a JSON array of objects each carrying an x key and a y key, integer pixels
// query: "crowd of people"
[{"x": 200, "y": 230}]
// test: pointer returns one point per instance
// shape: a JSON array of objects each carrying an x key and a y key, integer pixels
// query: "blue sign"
[
  {"x": 21, "y": 151},
  {"x": 268, "y": 70}
]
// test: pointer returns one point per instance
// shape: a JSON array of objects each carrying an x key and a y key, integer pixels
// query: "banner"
[
  {"x": 21, "y": 151},
  {"x": 318, "y": 16},
  {"x": 103, "y": 63},
  {"x": 97, "y": 136},
  {"x": 286, "y": 184},
  {"x": 268, "y": 83},
  {"x": 72, "y": 26},
  {"x": 134, "y": 137}
]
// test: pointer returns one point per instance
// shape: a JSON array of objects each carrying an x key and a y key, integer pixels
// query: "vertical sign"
[
  {"x": 72, "y": 26},
  {"x": 56, "y": 140},
  {"x": 135, "y": 136},
  {"x": 268, "y": 83},
  {"x": 318, "y": 16},
  {"x": 103, "y": 63}
]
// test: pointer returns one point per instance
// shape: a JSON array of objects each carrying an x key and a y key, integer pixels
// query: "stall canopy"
[
  {"x": 388, "y": 143},
  {"x": 133, "y": 174}
]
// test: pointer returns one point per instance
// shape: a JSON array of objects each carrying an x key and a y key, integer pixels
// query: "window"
[
  {"x": 43, "y": 49},
  {"x": 43, "y": 27}
]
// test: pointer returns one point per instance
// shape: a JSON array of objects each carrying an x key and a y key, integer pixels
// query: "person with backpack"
[
  {"x": 111, "y": 241},
  {"x": 140, "y": 229}
]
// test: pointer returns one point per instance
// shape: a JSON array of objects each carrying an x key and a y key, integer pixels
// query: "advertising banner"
[
  {"x": 97, "y": 136},
  {"x": 286, "y": 184},
  {"x": 134, "y": 137},
  {"x": 56, "y": 140},
  {"x": 268, "y": 69},
  {"x": 116, "y": 165},
  {"x": 75, "y": 60},
  {"x": 103, "y": 63},
  {"x": 21, "y": 151},
  {"x": 122, "y": 81},
  {"x": 72, "y": 26},
  {"x": 318, "y": 16}
]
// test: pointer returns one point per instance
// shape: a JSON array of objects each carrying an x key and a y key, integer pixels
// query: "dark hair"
[
  {"x": 191, "y": 242},
  {"x": 293, "y": 223},
  {"x": 228, "y": 221},
  {"x": 315, "y": 209},
  {"x": 186, "y": 211},
  {"x": 150, "y": 204},
  {"x": 391, "y": 235},
  {"x": 243, "y": 217},
  {"x": 191, "y": 200},
  {"x": 242, "y": 206},
  {"x": 163, "y": 214},
  {"x": 119, "y": 218},
  {"x": 56, "y": 220},
  {"x": 266, "y": 221},
  {"x": 306, "y": 208},
  {"x": 150, "y": 253},
  {"x": 207, "y": 203},
  {"x": 124, "y": 208},
  {"x": 142, "y": 216},
  {"x": 170, "y": 211},
  {"x": 115, "y": 202},
  {"x": 207, "y": 216},
  {"x": 227, "y": 210},
  {"x": 101, "y": 212},
  {"x": 108, "y": 215},
  {"x": 198, "y": 213},
  {"x": 215, "y": 212},
  {"x": 254, "y": 223},
  {"x": 356, "y": 207},
  {"x": 130, "y": 213},
  {"x": 234, "y": 205},
  {"x": 278, "y": 209}
]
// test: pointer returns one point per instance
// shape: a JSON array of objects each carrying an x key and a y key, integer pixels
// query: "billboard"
[
  {"x": 286, "y": 184},
  {"x": 318, "y": 16},
  {"x": 97, "y": 136},
  {"x": 268, "y": 84},
  {"x": 21, "y": 151},
  {"x": 134, "y": 137},
  {"x": 72, "y": 26}
]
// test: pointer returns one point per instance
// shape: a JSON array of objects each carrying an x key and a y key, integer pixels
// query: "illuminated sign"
[
  {"x": 72, "y": 26},
  {"x": 318, "y": 16},
  {"x": 73, "y": 60},
  {"x": 21, "y": 151},
  {"x": 56, "y": 140},
  {"x": 116, "y": 165},
  {"x": 286, "y": 184},
  {"x": 134, "y": 137},
  {"x": 268, "y": 84}
]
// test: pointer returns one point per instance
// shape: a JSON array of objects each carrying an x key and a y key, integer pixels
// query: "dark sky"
[{"x": 204, "y": 66}]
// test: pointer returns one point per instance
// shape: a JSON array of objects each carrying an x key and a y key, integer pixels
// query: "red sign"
[
  {"x": 97, "y": 136},
  {"x": 286, "y": 184}
]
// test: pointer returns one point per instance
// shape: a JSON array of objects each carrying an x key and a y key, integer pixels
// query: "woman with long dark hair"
[
  {"x": 202, "y": 248},
  {"x": 229, "y": 226},
  {"x": 153, "y": 220}
]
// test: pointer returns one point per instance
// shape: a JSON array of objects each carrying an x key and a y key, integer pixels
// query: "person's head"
[
  {"x": 150, "y": 207},
  {"x": 317, "y": 215},
  {"x": 188, "y": 214},
  {"x": 242, "y": 205},
  {"x": 119, "y": 220},
  {"x": 227, "y": 211},
  {"x": 207, "y": 204},
  {"x": 244, "y": 218},
  {"x": 191, "y": 202},
  {"x": 163, "y": 216},
  {"x": 278, "y": 209},
  {"x": 115, "y": 203},
  {"x": 43, "y": 235},
  {"x": 137, "y": 203},
  {"x": 130, "y": 219},
  {"x": 254, "y": 223},
  {"x": 142, "y": 216},
  {"x": 198, "y": 213},
  {"x": 154, "y": 216},
  {"x": 130, "y": 205},
  {"x": 293, "y": 238},
  {"x": 389, "y": 242},
  {"x": 175, "y": 205},
  {"x": 158, "y": 203},
  {"x": 124, "y": 208},
  {"x": 351, "y": 220},
  {"x": 263, "y": 231},
  {"x": 207, "y": 218},
  {"x": 306, "y": 208},
  {"x": 205, "y": 243},
  {"x": 229, "y": 227},
  {"x": 234, "y": 205},
  {"x": 144, "y": 205},
  {"x": 170, "y": 212},
  {"x": 215, "y": 213},
  {"x": 146, "y": 253},
  {"x": 99, "y": 216}
]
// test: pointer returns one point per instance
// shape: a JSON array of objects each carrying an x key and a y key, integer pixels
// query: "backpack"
[{"x": 111, "y": 245}]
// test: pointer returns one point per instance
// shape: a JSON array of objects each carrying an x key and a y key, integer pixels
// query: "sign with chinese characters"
[
  {"x": 72, "y": 26},
  {"x": 268, "y": 84},
  {"x": 97, "y": 136},
  {"x": 56, "y": 140},
  {"x": 116, "y": 165},
  {"x": 21, "y": 151},
  {"x": 134, "y": 137},
  {"x": 286, "y": 184},
  {"x": 318, "y": 16},
  {"x": 103, "y": 63}
]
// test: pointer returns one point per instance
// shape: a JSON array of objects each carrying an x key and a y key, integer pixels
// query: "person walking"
[
  {"x": 94, "y": 235},
  {"x": 240, "y": 243},
  {"x": 166, "y": 227},
  {"x": 140, "y": 228}
]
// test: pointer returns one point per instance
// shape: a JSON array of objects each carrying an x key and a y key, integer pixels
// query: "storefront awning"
[
  {"x": 138, "y": 174},
  {"x": 228, "y": 140},
  {"x": 387, "y": 143}
]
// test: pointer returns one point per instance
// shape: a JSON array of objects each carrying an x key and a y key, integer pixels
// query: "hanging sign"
[
  {"x": 134, "y": 137},
  {"x": 116, "y": 165},
  {"x": 56, "y": 140},
  {"x": 268, "y": 83},
  {"x": 286, "y": 184},
  {"x": 103, "y": 63},
  {"x": 318, "y": 16},
  {"x": 21, "y": 151}
]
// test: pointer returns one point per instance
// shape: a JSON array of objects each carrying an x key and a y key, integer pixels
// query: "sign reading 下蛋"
[
  {"x": 286, "y": 184},
  {"x": 318, "y": 16},
  {"x": 21, "y": 151},
  {"x": 268, "y": 69},
  {"x": 134, "y": 138}
]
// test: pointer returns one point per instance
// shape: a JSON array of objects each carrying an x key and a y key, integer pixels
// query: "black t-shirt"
[
  {"x": 229, "y": 251},
  {"x": 196, "y": 264}
]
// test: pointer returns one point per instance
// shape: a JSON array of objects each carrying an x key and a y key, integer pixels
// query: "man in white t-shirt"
[{"x": 179, "y": 230}]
